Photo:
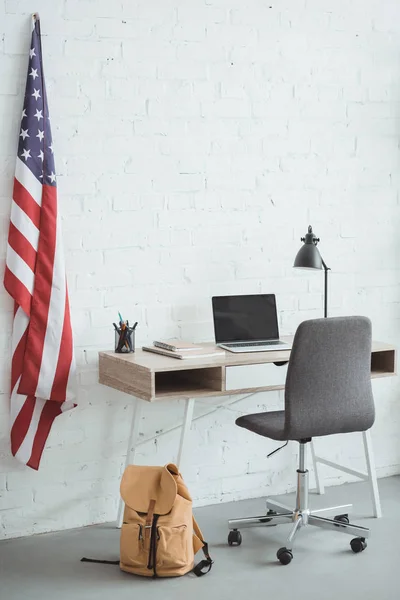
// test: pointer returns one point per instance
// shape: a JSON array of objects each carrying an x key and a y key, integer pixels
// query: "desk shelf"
[{"x": 190, "y": 382}]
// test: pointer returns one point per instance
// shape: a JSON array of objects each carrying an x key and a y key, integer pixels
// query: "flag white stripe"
[
  {"x": 25, "y": 449},
  {"x": 23, "y": 223},
  {"x": 55, "y": 322},
  {"x": 17, "y": 402},
  {"x": 21, "y": 322},
  {"x": 27, "y": 179},
  {"x": 66, "y": 406},
  {"x": 71, "y": 392},
  {"x": 20, "y": 269}
]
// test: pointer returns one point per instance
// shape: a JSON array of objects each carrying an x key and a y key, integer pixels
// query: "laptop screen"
[{"x": 245, "y": 318}]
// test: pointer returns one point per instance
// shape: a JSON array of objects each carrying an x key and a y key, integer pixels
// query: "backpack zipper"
[
  {"x": 151, "y": 564},
  {"x": 141, "y": 535}
]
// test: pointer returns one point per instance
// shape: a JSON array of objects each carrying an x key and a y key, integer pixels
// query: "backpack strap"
[
  {"x": 149, "y": 520},
  {"x": 207, "y": 562},
  {"x": 103, "y": 562}
]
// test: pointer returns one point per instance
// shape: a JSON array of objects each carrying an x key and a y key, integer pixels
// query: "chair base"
[{"x": 301, "y": 516}]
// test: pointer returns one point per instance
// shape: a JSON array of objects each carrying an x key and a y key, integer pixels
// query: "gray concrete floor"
[{"x": 48, "y": 566}]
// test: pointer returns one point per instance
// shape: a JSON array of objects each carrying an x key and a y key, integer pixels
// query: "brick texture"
[{"x": 195, "y": 141}]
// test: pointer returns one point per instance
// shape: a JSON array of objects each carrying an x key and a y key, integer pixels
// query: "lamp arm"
[
  {"x": 324, "y": 265},
  {"x": 326, "y": 269}
]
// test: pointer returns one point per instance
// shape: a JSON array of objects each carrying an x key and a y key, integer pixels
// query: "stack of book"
[{"x": 183, "y": 350}]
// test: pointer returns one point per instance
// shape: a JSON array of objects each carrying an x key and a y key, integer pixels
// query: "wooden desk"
[{"x": 153, "y": 377}]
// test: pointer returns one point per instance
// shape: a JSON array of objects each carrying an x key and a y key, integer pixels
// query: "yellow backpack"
[{"x": 159, "y": 535}]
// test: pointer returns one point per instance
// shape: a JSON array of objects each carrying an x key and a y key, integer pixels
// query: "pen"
[
  {"x": 122, "y": 340},
  {"x": 124, "y": 334},
  {"x": 130, "y": 343},
  {"x": 134, "y": 327},
  {"x": 116, "y": 328},
  {"x": 126, "y": 339},
  {"x": 120, "y": 318}
]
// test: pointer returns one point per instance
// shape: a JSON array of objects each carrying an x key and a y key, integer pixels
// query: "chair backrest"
[{"x": 328, "y": 385}]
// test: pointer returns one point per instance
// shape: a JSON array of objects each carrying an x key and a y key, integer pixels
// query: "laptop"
[{"x": 247, "y": 323}]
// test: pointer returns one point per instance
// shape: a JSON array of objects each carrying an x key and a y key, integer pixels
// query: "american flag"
[{"x": 42, "y": 370}]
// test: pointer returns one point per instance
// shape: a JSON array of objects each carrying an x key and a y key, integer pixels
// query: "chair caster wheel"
[
  {"x": 342, "y": 519},
  {"x": 234, "y": 538},
  {"x": 284, "y": 556},
  {"x": 358, "y": 544}
]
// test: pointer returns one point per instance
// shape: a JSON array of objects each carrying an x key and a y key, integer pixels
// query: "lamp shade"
[{"x": 308, "y": 257}]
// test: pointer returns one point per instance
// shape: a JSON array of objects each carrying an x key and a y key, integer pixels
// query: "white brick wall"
[{"x": 210, "y": 133}]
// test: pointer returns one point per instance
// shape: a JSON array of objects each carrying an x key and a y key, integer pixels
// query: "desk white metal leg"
[
  {"x": 371, "y": 470},
  {"x": 187, "y": 421},
  {"x": 318, "y": 479},
  {"x": 130, "y": 452}
]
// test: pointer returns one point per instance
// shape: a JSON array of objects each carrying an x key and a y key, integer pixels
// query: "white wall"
[{"x": 195, "y": 141}]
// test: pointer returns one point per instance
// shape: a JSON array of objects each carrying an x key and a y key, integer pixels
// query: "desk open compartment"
[
  {"x": 188, "y": 382},
  {"x": 383, "y": 363}
]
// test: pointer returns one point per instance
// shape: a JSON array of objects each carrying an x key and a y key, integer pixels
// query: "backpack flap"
[
  {"x": 181, "y": 486},
  {"x": 140, "y": 485}
]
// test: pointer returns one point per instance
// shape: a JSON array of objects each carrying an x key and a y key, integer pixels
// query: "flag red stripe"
[
  {"x": 25, "y": 201},
  {"x": 22, "y": 246},
  {"x": 50, "y": 411},
  {"x": 42, "y": 292},
  {"x": 18, "y": 360},
  {"x": 59, "y": 389},
  {"x": 21, "y": 424},
  {"x": 18, "y": 291}
]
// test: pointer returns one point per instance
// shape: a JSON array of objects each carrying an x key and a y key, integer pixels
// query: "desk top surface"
[{"x": 156, "y": 363}]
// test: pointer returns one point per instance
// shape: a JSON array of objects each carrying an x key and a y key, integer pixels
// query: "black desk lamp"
[{"x": 308, "y": 257}]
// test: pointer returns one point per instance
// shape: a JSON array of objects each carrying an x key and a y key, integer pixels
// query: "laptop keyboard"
[{"x": 247, "y": 344}]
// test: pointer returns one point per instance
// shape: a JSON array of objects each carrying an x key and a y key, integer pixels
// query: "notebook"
[
  {"x": 176, "y": 345},
  {"x": 194, "y": 353}
]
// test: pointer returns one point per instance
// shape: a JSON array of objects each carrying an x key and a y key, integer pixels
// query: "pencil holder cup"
[{"x": 125, "y": 340}]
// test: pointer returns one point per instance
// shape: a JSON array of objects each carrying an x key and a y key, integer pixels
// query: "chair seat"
[{"x": 268, "y": 424}]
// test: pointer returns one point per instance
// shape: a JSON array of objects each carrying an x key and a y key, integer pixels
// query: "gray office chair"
[{"x": 328, "y": 390}]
